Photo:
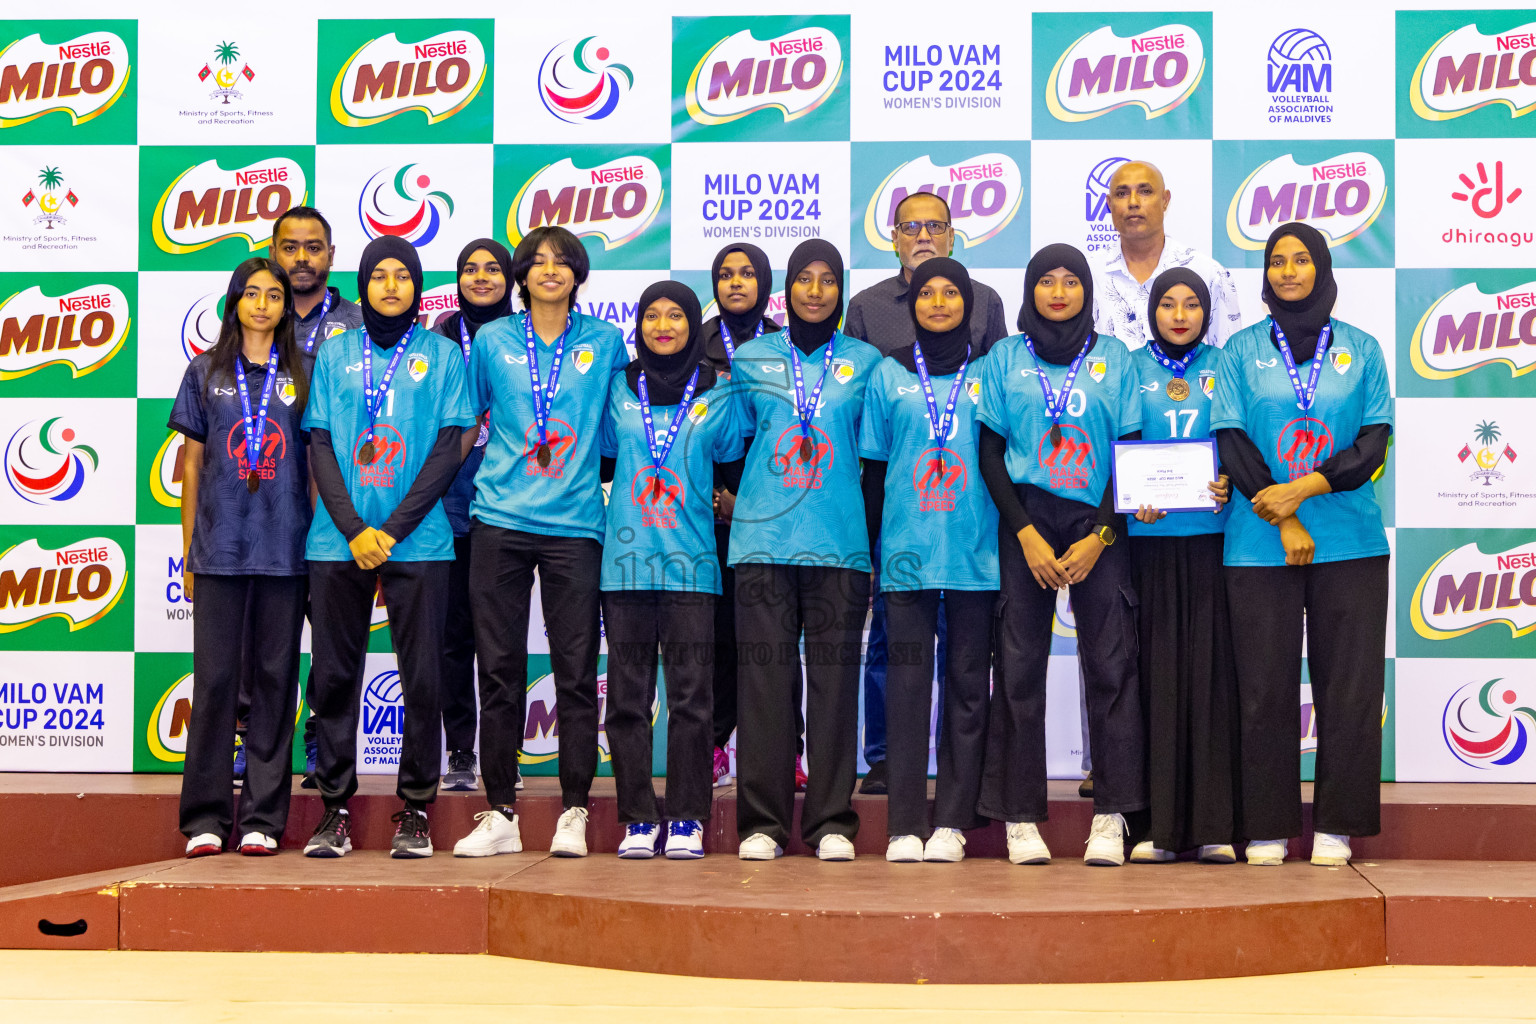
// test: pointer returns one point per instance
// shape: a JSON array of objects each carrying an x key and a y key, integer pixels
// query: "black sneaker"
[
  {"x": 311, "y": 757},
  {"x": 874, "y": 781},
  {"x": 333, "y": 836},
  {"x": 461, "y": 770},
  {"x": 411, "y": 836}
]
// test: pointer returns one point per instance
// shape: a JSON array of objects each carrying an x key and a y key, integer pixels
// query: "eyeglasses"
[{"x": 910, "y": 228}]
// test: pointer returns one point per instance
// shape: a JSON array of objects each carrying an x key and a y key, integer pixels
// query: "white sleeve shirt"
[{"x": 1120, "y": 301}]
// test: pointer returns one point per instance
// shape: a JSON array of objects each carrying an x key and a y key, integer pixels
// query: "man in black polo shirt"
[{"x": 880, "y": 315}]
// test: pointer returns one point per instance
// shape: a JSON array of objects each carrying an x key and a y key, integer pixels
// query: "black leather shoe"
[{"x": 874, "y": 782}]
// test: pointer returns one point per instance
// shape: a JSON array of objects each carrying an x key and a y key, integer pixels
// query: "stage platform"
[{"x": 100, "y": 868}]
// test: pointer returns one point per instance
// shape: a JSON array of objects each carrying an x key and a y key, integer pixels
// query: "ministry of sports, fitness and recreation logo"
[
  {"x": 614, "y": 201},
  {"x": 1488, "y": 454},
  {"x": 1298, "y": 76},
  {"x": 793, "y": 73},
  {"x": 45, "y": 461},
  {"x": 1303, "y": 444},
  {"x": 82, "y": 77},
  {"x": 1340, "y": 197},
  {"x": 226, "y": 79},
  {"x": 438, "y": 76},
  {"x": 1466, "y": 589},
  {"x": 82, "y": 329},
  {"x": 206, "y": 204},
  {"x": 400, "y": 201},
  {"x": 984, "y": 193},
  {"x": 1465, "y": 70},
  {"x": 1466, "y": 329},
  {"x": 166, "y": 733},
  {"x": 1487, "y": 725},
  {"x": 50, "y": 201},
  {"x": 79, "y": 583},
  {"x": 578, "y": 80},
  {"x": 1156, "y": 70}
]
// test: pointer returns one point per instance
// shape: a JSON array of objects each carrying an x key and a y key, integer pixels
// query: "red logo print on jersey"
[
  {"x": 658, "y": 493},
  {"x": 388, "y": 456},
  {"x": 1304, "y": 443},
  {"x": 562, "y": 442},
  {"x": 274, "y": 449},
  {"x": 939, "y": 478},
  {"x": 1070, "y": 463},
  {"x": 795, "y": 465}
]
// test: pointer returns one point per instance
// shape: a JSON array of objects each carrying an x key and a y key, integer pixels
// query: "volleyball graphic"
[
  {"x": 1298, "y": 46},
  {"x": 1489, "y": 727},
  {"x": 398, "y": 201},
  {"x": 577, "y": 82},
  {"x": 1098, "y": 178},
  {"x": 43, "y": 463}
]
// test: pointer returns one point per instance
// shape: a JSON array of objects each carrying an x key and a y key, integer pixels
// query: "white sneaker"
[
  {"x": 900, "y": 850},
  {"x": 759, "y": 846},
  {"x": 204, "y": 844},
  {"x": 495, "y": 833},
  {"x": 1218, "y": 853},
  {"x": 1106, "y": 841},
  {"x": 570, "y": 838},
  {"x": 945, "y": 846},
  {"x": 1329, "y": 850},
  {"x": 1267, "y": 853},
  {"x": 1025, "y": 845},
  {"x": 1147, "y": 852},
  {"x": 639, "y": 842},
  {"x": 835, "y": 847},
  {"x": 685, "y": 840},
  {"x": 258, "y": 844}
]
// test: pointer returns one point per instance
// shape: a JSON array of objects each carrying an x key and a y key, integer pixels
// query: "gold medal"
[
  {"x": 367, "y": 453},
  {"x": 543, "y": 455},
  {"x": 252, "y": 481},
  {"x": 1178, "y": 389}
]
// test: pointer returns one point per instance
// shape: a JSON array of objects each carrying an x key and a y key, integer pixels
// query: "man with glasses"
[{"x": 880, "y": 315}]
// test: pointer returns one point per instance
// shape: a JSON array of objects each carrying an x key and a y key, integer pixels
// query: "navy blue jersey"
[
  {"x": 235, "y": 532},
  {"x": 311, "y": 331}
]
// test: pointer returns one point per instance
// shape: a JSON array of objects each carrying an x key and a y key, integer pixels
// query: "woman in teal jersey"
[
  {"x": 543, "y": 376},
  {"x": 924, "y": 498},
  {"x": 1054, "y": 399},
  {"x": 1188, "y": 685},
  {"x": 670, "y": 423},
  {"x": 801, "y": 554},
  {"x": 1303, "y": 419}
]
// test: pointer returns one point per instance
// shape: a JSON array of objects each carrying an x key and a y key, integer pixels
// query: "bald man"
[{"x": 1123, "y": 275}]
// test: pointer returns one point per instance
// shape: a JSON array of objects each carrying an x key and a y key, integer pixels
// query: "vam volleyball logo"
[
  {"x": 82, "y": 77},
  {"x": 80, "y": 583},
  {"x": 1466, "y": 70},
  {"x": 1155, "y": 70},
  {"x": 1487, "y": 725},
  {"x": 984, "y": 193},
  {"x": 166, "y": 734},
  {"x": 614, "y": 202},
  {"x": 793, "y": 73},
  {"x": 206, "y": 204},
  {"x": 1466, "y": 329},
  {"x": 83, "y": 330},
  {"x": 1340, "y": 197},
  {"x": 1465, "y": 590},
  {"x": 385, "y": 78},
  {"x": 382, "y": 729},
  {"x": 578, "y": 80},
  {"x": 44, "y": 461},
  {"x": 400, "y": 201},
  {"x": 1299, "y": 78},
  {"x": 200, "y": 325}
]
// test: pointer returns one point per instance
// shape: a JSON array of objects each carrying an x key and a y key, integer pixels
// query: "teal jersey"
[
  {"x": 1103, "y": 407},
  {"x": 664, "y": 538},
  {"x": 792, "y": 511},
  {"x": 427, "y": 394},
  {"x": 512, "y": 491},
  {"x": 939, "y": 527},
  {"x": 1163, "y": 419},
  {"x": 1255, "y": 395}
]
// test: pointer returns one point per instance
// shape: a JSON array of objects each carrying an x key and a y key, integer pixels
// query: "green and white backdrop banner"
[{"x": 141, "y": 158}]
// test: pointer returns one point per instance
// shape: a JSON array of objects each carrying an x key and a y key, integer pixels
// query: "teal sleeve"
[
  {"x": 453, "y": 399},
  {"x": 1378, "y": 394},
  {"x": 993, "y": 408},
  {"x": 1229, "y": 405},
  {"x": 875, "y": 429},
  {"x": 479, "y": 385},
  {"x": 318, "y": 413},
  {"x": 608, "y": 434}
]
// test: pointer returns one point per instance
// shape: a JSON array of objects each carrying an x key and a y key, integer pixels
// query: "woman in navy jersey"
[
  {"x": 1188, "y": 681},
  {"x": 801, "y": 553},
  {"x": 1054, "y": 399},
  {"x": 670, "y": 425},
  {"x": 924, "y": 499},
  {"x": 244, "y": 515},
  {"x": 543, "y": 376},
  {"x": 1303, "y": 421},
  {"x": 484, "y": 297}
]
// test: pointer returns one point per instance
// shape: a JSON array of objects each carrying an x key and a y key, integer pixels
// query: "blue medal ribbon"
[
  {"x": 730, "y": 347},
  {"x": 255, "y": 427},
  {"x": 1177, "y": 367},
  {"x": 1056, "y": 402},
  {"x": 1304, "y": 395},
  {"x": 374, "y": 401},
  {"x": 659, "y": 455},
  {"x": 464, "y": 342},
  {"x": 543, "y": 398},
  {"x": 940, "y": 424},
  {"x": 314, "y": 332},
  {"x": 804, "y": 412}
]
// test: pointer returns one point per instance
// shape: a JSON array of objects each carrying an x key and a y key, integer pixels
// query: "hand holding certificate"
[{"x": 1171, "y": 476}]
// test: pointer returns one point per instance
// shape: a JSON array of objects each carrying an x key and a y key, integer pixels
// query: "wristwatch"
[{"x": 1105, "y": 534}]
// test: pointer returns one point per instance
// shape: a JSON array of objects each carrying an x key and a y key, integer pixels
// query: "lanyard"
[
  {"x": 314, "y": 332},
  {"x": 1304, "y": 395},
  {"x": 804, "y": 412},
  {"x": 940, "y": 424},
  {"x": 464, "y": 340},
  {"x": 1056, "y": 403},
  {"x": 730, "y": 347},
  {"x": 255, "y": 427},
  {"x": 543, "y": 398},
  {"x": 1177, "y": 387},
  {"x": 375, "y": 401},
  {"x": 659, "y": 455}
]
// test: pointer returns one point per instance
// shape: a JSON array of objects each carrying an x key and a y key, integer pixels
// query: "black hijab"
[
  {"x": 475, "y": 317},
  {"x": 943, "y": 351},
  {"x": 1166, "y": 280},
  {"x": 1303, "y": 320},
  {"x": 667, "y": 376},
  {"x": 744, "y": 326},
  {"x": 384, "y": 330},
  {"x": 806, "y": 336},
  {"x": 1057, "y": 342}
]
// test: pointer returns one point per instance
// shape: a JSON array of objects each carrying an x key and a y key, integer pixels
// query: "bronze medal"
[
  {"x": 543, "y": 455},
  {"x": 1178, "y": 389},
  {"x": 252, "y": 481},
  {"x": 941, "y": 465},
  {"x": 366, "y": 454},
  {"x": 806, "y": 449},
  {"x": 1055, "y": 435},
  {"x": 656, "y": 488}
]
